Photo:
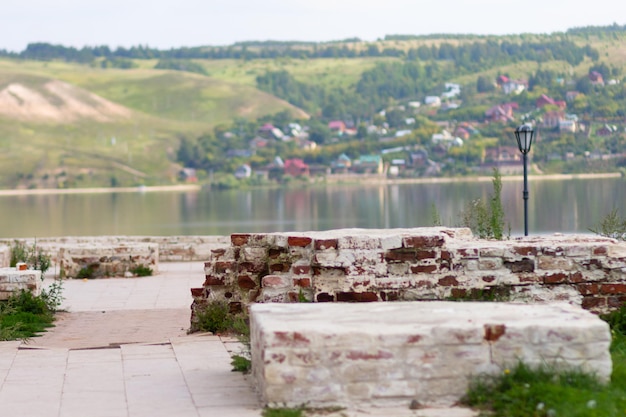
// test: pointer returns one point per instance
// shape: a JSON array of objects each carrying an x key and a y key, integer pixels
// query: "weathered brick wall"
[
  {"x": 106, "y": 260},
  {"x": 171, "y": 248},
  {"x": 413, "y": 264},
  {"x": 13, "y": 280}
]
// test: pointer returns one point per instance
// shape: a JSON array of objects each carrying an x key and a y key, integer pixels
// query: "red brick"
[
  {"x": 426, "y": 254},
  {"x": 324, "y": 297},
  {"x": 576, "y": 278},
  {"x": 493, "y": 332},
  {"x": 458, "y": 292},
  {"x": 322, "y": 244},
  {"x": 525, "y": 250},
  {"x": 389, "y": 296},
  {"x": 423, "y": 242},
  {"x": 197, "y": 292},
  {"x": 302, "y": 282},
  {"x": 556, "y": 278},
  {"x": 239, "y": 239},
  {"x": 425, "y": 269},
  {"x": 400, "y": 256},
  {"x": 301, "y": 270},
  {"x": 299, "y": 241},
  {"x": 588, "y": 289},
  {"x": 601, "y": 251},
  {"x": 445, "y": 255},
  {"x": 448, "y": 281},
  {"x": 255, "y": 267},
  {"x": 357, "y": 296},
  {"x": 280, "y": 267},
  {"x": 275, "y": 281},
  {"x": 468, "y": 253},
  {"x": 613, "y": 289},
  {"x": 222, "y": 266},
  {"x": 213, "y": 280},
  {"x": 592, "y": 302},
  {"x": 489, "y": 279},
  {"x": 246, "y": 282}
]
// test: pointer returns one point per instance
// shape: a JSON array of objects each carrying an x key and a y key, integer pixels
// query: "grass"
[
  {"x": 23, "y": 316},
  {"x": 141, "y": 271},
  {"x": 537, "y": 392}
]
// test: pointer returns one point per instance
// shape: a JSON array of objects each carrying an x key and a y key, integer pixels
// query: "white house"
[{"x": 432, "y": 101}]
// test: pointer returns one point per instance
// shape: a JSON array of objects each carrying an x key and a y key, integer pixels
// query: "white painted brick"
[{"x": 354, "y": 353}]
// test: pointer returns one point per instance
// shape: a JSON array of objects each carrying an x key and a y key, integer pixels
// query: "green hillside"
[
  {"x": 71, "y": 118},
  {"x": 72, "y": 125}
]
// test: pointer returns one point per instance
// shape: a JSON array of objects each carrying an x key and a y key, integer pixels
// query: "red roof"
[{"x": 298, "y": 163}]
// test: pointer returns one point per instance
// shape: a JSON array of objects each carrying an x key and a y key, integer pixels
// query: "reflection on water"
[{"x": 554, "y": 206}]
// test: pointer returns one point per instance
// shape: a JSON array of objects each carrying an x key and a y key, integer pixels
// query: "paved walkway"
[{"x": 121, "y": 350}]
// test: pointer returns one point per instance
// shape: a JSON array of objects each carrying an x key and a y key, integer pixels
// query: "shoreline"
[{"x": 344, "y": 180}]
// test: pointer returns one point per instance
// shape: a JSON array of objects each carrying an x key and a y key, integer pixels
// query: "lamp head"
[{"x": 524, "y": 136}]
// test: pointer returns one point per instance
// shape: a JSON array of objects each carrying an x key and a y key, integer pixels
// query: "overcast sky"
[{"x": 166, "y": 23}]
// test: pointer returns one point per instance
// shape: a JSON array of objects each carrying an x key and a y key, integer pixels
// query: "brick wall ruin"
[{"x": 362, "y": 265}]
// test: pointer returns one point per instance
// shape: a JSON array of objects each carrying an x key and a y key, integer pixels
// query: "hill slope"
[{"x": 65, "y": 125}]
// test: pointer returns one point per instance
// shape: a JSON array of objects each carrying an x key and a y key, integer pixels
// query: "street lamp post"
[{"x": 524, "y": 135}]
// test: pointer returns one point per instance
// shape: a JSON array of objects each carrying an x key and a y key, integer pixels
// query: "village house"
[
  {"x": 509, "y": 86},
  {"x": 506, "y": 158},
  {"x": 501, "y": 112},
  {"x": 243, "y": 171},
  {"x": 337, "y": 126},
  {"x": 368, "y": 164},
  {"x": 296, "y": 168},
  {"x": 596, "y": 78},
  {"x": 606, "y": 130},
  {"x": 551, "y": 119},
  {"x": 341, "y": 165},
  {"x": 432, "y": 101},
  {"x": 571, "y": 95},
  {"x": 544, "y": 100}
]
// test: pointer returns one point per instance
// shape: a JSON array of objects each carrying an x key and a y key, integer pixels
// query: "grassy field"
[{"x": 139, "y": 149}]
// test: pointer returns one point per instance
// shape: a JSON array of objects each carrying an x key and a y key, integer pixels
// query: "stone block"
[
  {"x": 13, "y": 280},
  {"x": 323, "y": 354}
]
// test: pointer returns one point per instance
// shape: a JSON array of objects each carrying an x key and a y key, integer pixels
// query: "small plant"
[
  {"x": 486, "y": 219},
  {"x": 33, "y": 256},
  {"x": 612, "y": 225},
  {"x": 500, "y": 293},
  {"x": 141, "y": 271},
  {"x": 86, "y": 272},
  {"x": 283, "y": 412},
  {"x": 435, "y": 216},
  {"x": 241, "y": 363},
  {"x": 23, "y": 316},
  {"x": 215, "y": 318}
]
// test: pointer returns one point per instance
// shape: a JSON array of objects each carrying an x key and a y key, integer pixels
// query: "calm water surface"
[{"x": 569, "y": 206}]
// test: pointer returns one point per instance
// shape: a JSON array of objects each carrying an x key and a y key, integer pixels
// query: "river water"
[{"x": 566, "y": 206}]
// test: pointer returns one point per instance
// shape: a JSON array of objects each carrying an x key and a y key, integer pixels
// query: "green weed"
[
  {"x": 523, "y": 391},
  {"x": 612, "y": 225},
  {"x": 141, "y": 271},
  {"x": 486, "y": 218},
  {"x": 87, "y": 272},
  {"x": 241, "y": 363},
  {"x": 23, "y": 316},
  {"x": 283, "y": 412}
]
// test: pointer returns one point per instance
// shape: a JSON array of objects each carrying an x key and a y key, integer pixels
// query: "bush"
[{"x": 141, "y": 271}]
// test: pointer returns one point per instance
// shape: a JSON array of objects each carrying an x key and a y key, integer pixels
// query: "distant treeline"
[{"x": 470, "y": 56}]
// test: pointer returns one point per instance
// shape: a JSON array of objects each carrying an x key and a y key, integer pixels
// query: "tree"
[{"x": 484, "y": 84}]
